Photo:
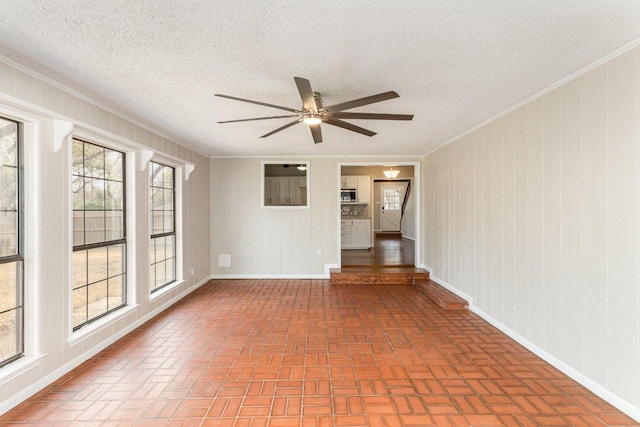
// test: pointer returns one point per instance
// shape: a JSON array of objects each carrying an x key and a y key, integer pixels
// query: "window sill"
[
  {"x": 165, "y": 290},
  {"x": 99, "y": 325},
  {"x": 20, "y": 366}
]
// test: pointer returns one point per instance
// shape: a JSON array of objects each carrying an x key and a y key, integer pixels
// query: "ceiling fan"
[{"x": 314, "y": 113}]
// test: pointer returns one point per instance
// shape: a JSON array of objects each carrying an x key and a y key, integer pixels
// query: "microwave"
[{"x": 348, "y": 195}]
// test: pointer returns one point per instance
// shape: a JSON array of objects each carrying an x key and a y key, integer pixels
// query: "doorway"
[
  {"x": 390, "y": 207},
  {"x": 393, "y": 213}
]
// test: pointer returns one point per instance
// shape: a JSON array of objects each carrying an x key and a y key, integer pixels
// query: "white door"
[{"x": 391, "y": 207}]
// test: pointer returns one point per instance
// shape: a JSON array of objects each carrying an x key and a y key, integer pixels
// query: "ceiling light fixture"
[
  {"x": 302, "y": 167},
  {"x": 312, "y": 119},
  {"x": 391, "y": 173}
]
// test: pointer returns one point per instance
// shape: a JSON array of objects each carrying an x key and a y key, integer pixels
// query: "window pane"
[
  {"x": 115, "y": 225},
  {"x": 114, "y": 195},
  {"x": 168, "y": 177},
  {"x": 78, "y": 228},
  {"x": 77, "y": 160},
  {"x": 170, "y": 247},
  {"x": 79, "y": 306},
  {"x": 170, "y": 272},
  {"x": 8, "y": 233},
  {"x": 94, "y": 194},
  {"x": 157, "y": 175},
  {"x": 94, "y": 226},
  {"x": 97, "y": 264},
  {"x": 10, "y": 334},
  {"x": 97, "y": 299},
  {"x": 93, "y": 160},
  {"x": 113, "y": 165},
  {"x": 79, "y": 268},
  {"x": 160, "y": 273},
  {"x": 8, "y": 188},
  {"x": 152, "y": 276},
  {"x": 168, "y": 222},
  {"x": 8, "y": 143},
  {"x": 9, "y": 286},
  {"x": 158, "y": 225},
  {"x": 116, "y": 257},
  {"x": 116, "y": 291}
]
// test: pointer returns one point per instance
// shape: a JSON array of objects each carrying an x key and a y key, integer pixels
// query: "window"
[
  {"x": 284, "y": 185},
  {"x": 163, "y": 231},
  {"x": 11, "y": 252},
  {"x": 99, "y": 236}
]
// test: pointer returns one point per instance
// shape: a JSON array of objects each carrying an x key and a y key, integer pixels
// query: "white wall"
[
  {"x": 535, "y": 216},
  {"x": 274, "y": 242},
  {"x": 48, "y": 282}
]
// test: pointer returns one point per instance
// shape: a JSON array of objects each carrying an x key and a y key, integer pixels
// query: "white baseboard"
[
  {"x": 267, "y": 276},
  {"x": 594, "y": 387},
  {"x": 326, "y": 275},
  {"x": 21, "y": 396}
]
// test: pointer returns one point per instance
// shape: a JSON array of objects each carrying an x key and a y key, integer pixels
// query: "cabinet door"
[
  {"x": 294, "y": 191},
  {"x": 345, "y": 234},
  {"x": 364, "y": 189},
  {"x": 349, "y": 181},
  {"x": 271, "y": 191},
  {"x": 361, "y": 234}
]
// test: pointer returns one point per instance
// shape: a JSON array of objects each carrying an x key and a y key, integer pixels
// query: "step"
[
  {"x": 400, "y": 275},
  {"x": 447, "y": 300}
]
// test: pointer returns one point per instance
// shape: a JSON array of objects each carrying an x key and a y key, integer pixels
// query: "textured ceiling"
[{"x": 455, "y": 63}]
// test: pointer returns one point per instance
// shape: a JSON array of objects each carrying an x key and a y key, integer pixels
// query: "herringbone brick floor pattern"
[{"x": 307, "y": 353}]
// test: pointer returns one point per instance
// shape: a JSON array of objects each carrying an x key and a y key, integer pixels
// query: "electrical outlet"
[
  {"x": 193, "y": 271},
  {"x": 319, "y": 252}
]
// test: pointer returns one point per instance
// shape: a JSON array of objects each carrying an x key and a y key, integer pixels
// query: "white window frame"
[
  {"x": 179, "y": 169},
  {"x": 263, "y": 163},
  {"x": 31, "y": 147},
  {"x": 131, "y": 158}
]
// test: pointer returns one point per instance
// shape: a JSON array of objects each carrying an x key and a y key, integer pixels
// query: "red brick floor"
[{"x": 306, "y": 353}]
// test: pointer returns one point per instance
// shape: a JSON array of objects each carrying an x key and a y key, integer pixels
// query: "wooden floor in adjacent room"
[
  {"x": 307, "y": 353},
  {"x": 388, "y": 249}
]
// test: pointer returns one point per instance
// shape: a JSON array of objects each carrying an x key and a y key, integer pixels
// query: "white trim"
[
  {"x": 594, "y": 387},
  {"x": 385, "y": 157},
  {"x": 90, "y": 329},
  {"x": 451, "y": 289},
  {"x": 19, "y": 397},
  {"x": 285, "y": 162},
  {"x": 269, "y": 276},
  {"x": 19, "y": 367},
  {"x": 165, "y": 290},
  {"x": 62, "y": 130},
  {"x": 408, "y": 238},
  {"x": 415, "y": 181},
  {"x": 581, "y": 72},
  {"x": 145, "y": 158}
]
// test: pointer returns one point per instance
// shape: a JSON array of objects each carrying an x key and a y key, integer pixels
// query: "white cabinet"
[
  {"x": 271, "y": 191},
  {"x": 361, "y": 233},
  {"x": 349, "y": 181},
  {"x": 355, "y": 233},
  {"x": 362, "y": 184},
  {"x": 285, "y": 191},
  {"x": 364, "y": 189}
]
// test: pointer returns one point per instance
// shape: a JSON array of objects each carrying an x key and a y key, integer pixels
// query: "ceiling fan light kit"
[{"x": 313, "y": 113}]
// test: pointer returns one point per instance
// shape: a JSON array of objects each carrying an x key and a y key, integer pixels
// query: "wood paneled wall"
[{"x": 535, "y": 215}]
